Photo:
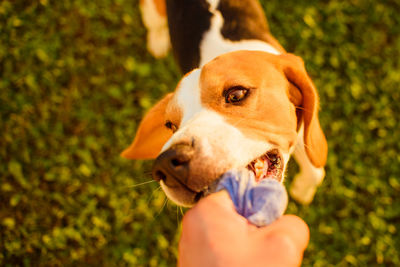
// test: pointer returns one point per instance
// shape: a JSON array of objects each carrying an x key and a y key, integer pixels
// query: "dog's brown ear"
[
  {"x": 314, "y": 139},
  {"x": 151, "y": 134}
]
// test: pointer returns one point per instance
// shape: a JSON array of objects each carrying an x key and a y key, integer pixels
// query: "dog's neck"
[
  {"x": 215, "y": 43},
  {"x": 202, "y": 30}
]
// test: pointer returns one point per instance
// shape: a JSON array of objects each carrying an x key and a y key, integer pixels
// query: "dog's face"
[{"x": 242, "y": 109}]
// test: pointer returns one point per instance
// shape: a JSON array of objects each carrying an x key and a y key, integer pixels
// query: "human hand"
[{"x": 214, "y": 234}]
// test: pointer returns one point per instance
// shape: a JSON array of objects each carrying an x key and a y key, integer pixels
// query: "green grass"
[{"x": 76, "y": 79}]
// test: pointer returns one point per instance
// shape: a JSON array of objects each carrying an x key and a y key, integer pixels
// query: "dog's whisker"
[
  {"x": 152, "y": 194},
  {"x": 162, "y": 208},
  {"x": 136, "y": 185},
  {"x": 177, "y": 217}
]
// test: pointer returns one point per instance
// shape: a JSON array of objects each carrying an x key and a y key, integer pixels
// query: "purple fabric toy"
[{"x": 260, "y": 202}]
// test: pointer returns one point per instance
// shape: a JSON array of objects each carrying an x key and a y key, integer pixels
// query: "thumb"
[
  {"x": 210, "y": 208},
  {"x": 221, "y": 198},
  {"x": 214, "y": 202}
]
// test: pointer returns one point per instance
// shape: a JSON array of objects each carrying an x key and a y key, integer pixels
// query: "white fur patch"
[
  {"x": 189, "y": 96},
  {"x": 214, "y": 44}
]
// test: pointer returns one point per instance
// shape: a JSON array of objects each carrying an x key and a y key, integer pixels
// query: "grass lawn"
[{"x": 75, "y": 79}]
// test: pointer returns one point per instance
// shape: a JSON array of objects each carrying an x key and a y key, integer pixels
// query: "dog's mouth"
[{"x": 268, "y": 166}]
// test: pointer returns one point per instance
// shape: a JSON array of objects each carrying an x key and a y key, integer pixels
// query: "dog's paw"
[
  {"x": 305, "y": 185},
  {"x": 301, "y": 193},
  {"x": 158, "y": 42}
]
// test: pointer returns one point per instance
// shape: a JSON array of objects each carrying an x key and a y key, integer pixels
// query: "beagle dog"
[{"x": 244, "y": 101}]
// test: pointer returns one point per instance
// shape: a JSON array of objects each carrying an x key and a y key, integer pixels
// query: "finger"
[
  {"x": 214, "y": 210},
  {"x": 221, "y": 198},
  {"x": 216, "y": 202}
]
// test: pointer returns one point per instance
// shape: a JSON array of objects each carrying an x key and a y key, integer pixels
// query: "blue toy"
[{"x": 260, "y": 202}]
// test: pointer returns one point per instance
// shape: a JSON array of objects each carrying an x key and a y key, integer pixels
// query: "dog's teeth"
[
  {"x": 259, "y": 168},
  {"x": 259, "y": 164}
]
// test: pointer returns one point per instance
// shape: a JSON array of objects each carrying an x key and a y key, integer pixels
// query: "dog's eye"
[
  {"x": 171, "y": 126},
  {"x": 236, "y": 94}
]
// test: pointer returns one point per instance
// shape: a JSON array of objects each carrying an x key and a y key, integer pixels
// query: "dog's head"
[{"x": 243, "y": 108}]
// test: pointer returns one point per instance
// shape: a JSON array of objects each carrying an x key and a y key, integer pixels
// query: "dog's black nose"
[{"x": 172, "y": 165}]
